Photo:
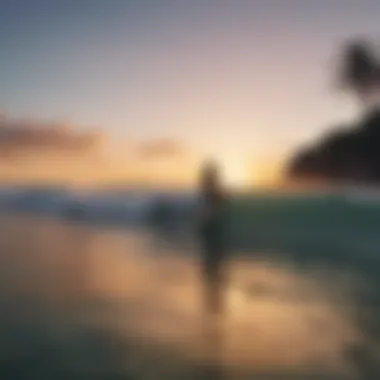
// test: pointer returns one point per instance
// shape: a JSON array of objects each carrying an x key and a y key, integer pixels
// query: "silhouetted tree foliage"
[
  {"x": 360, "y": 69},
  {"x": 353, "y": 154},
  {"x": 349, "y": 152}
]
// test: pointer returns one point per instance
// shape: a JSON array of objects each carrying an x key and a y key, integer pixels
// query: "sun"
[{"x": 234, "y": 174}]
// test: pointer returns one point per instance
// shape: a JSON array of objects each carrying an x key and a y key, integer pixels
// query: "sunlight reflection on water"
[{"x": 278, "y": 320}]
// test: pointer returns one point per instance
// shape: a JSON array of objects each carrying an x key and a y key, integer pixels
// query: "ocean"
[{"x": 90, "y": 288}]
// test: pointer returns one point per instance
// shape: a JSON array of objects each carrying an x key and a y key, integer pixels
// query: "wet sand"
[{"x": 92, "y": 302}]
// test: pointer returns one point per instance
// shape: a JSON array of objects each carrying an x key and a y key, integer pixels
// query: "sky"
[{"x": 244, "y": 81}]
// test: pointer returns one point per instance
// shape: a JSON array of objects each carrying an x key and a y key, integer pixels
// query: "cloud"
[
  {"x": 38, "y": 150},
  {"x": 161, "y": 148},
  {"x": 32, "y": 136},
  {"x": 35, "y": 136}
]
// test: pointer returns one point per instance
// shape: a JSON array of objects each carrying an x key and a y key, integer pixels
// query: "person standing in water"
[{"x": 213, "y": 236}]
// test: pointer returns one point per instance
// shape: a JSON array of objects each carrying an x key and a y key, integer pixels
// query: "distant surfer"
[{"x": 213, "y": 236}]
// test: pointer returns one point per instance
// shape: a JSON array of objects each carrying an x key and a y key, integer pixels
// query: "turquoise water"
[
  {"x": 328, "y": 214},
  {"x": 324, "y": 220}
]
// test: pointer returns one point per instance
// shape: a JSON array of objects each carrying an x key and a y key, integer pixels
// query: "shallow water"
[{"x": 87, "y": 302}]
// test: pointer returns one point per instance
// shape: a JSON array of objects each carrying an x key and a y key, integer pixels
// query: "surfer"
[{"x": 213, "y": 237}]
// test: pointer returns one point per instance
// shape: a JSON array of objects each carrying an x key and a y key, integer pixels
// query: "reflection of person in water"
[{"x": 213, "y": 236}]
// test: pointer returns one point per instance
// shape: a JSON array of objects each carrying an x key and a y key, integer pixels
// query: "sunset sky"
[{"x": 245, "y": 81}]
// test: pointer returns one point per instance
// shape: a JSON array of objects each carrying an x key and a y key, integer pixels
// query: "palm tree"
[{"x": 359, "y": 70}]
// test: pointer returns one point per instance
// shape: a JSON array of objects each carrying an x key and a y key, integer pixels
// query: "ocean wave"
[{"x": 128, "y": 207}]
